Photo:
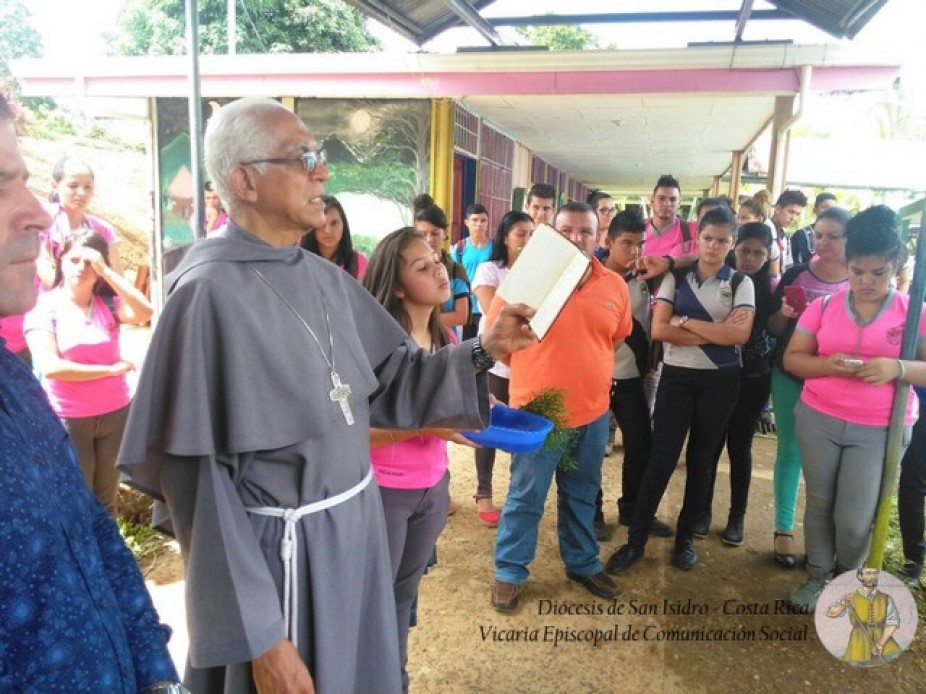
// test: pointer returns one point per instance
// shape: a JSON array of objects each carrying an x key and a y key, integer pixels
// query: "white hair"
[{"x": 237, "y": 133}]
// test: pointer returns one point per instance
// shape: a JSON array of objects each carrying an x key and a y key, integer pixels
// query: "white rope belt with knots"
[{"x": 289, "y": 556}]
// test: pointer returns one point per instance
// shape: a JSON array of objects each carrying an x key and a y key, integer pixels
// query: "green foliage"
[
  {"x": 559, "y": 37},
  {"x": 391, "y": 181},
  {"x": 18, "y": 39},
  {"x": 551, "y": 403},
  {"x": 142, "y": 540},
  {"x": 53, "y": 124},
  {"x": 49, "y": 124},
  {"x": 157, "y": 27},
  {"x": 363, "y": 243}
]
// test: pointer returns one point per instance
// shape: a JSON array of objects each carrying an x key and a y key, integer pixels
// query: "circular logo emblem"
[
  {"x": 866, "y": 618},
  {"x": 726, "y": 293}
]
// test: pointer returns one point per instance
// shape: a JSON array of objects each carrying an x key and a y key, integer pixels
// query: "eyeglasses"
[
  {"x": 309, "y": 160},
  {"x": 607, "y": 210}
]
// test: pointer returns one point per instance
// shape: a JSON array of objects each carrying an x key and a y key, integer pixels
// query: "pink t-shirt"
[
  {"x": 416, "y": 463},
  {"x": 671, "y": 241},
  {"x": 85, "y": 340},
  {"x": 11, "y": 330},
  {"x": 836, "y": 330},
  {"x": 60, "y": 228},
  {"x": 361, "y": 265}
]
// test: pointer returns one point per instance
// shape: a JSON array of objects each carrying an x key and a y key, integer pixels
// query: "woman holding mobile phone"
[
  {"x": 846, "y": 348},
  {"x": 825, "y": 274}
]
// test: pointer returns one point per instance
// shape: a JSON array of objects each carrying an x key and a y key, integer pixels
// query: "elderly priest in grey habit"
[{"x": 267, "y": 367}]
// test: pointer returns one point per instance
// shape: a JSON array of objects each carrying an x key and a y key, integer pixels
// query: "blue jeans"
[{"x": 531, "y": 476}]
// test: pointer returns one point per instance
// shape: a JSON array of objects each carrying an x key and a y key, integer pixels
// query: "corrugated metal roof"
[
  {"x": 417, "y": 20},
  {"x": 841, "y": 18},
  {"x": 422, "y": 20}
]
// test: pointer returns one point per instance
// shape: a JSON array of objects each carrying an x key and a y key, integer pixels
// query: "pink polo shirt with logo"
[{"x": 836, "y": 330}]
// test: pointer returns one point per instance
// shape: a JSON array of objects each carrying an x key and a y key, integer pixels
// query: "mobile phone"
[
  {"x": 853, "y": 362},
  {"x": 796, "y": 298}
]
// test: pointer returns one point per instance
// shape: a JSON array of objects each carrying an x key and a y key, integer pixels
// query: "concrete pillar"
[
  {"x": 715, "y": 187},
  {"x": 736, "y": 174},
  {"x": 781, "y": 139}
]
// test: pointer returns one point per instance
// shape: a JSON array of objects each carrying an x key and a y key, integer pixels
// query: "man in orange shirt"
[{"x": 577, "y": 356}]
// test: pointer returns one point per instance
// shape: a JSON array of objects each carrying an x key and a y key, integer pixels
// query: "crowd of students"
[
  {"x": 712, "y": 319},
  {"x": 722, "y": 321}
]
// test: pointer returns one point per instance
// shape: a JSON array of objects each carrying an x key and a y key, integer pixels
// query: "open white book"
[{"x": 547, "y": 272}]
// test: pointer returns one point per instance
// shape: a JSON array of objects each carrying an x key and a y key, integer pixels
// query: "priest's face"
[{"x": 289, "y": 192}]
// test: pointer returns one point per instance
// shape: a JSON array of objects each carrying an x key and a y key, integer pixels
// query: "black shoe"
[
  {"x": 601, "y": 530},
  {"x": 702, "y": 527},
  {"x": 786, "y": 559},
  {"x": 912, "y": 574},
  {"x": 599, "y": 584},
  {"x": 622, "y": 559},
  {"x": 684, "y": 556},
  {"x": 658, "y": 529},
  {"x": 733, "y": 533}
]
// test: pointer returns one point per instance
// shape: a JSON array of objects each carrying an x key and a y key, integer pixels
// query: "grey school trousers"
[
  {"x": 842, "y": 473},
  {"x": 414, "y": 520}
]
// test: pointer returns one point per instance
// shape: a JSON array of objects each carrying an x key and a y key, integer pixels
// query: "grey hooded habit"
[{"x": 233, "y": 411}]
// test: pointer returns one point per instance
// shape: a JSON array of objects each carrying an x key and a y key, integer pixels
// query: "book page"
[
  {"x": 547, "y": 271},
  {"x": 558, "y": 295}
]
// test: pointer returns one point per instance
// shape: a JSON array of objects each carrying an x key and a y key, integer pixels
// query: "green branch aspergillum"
[{"x": 551, "y": 403}]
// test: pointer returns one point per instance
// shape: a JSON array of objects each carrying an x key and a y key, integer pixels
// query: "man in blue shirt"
[{"x": 74, "y": 612}]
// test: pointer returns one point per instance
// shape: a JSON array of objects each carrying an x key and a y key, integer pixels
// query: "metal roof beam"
[
  {"x": 745, "y": 13},
  {"x": 635, "y": 17},
  {"x": 391, "y": 18},
  {"x": 469, "y": 15}
]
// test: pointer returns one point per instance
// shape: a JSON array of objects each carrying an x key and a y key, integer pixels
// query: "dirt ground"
[{"x": 463, "y": 645}]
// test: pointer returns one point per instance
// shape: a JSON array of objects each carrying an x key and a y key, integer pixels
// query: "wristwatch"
[
  {"x": 166, "y": 688},
  {"x": 481, "y": 358},
  {"x": 682, "y": 321}
]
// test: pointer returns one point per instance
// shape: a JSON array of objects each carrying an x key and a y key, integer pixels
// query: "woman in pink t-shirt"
[
  {"x": 846, "y": 348},
  {"x": 73, "y": 334},
  {"x": 408, "y": 278},
  {"x": 801, "y": 284}
]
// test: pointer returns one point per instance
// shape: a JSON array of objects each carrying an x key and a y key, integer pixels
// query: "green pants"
[{"x": 787, "y": 476}]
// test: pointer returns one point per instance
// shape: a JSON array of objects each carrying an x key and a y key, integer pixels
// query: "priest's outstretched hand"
[{"x": 510, "y": 333}]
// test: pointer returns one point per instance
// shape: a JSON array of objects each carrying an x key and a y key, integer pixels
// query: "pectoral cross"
[{"x": 339, "y": 394}]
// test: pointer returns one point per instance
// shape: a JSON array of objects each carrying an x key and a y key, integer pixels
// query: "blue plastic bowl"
[{"x": 512, "y": 430}]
